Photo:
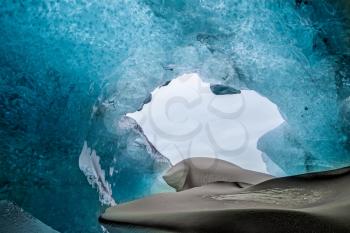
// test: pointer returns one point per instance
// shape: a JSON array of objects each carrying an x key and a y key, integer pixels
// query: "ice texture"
[
  {"x": 70, "y": 70},
  {"x": 14, "y": 219},
  {"x": 219, "y": 89},
  {"x": 89, "y": 164}
]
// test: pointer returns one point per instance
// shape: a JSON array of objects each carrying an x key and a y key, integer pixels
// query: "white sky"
[{"x": 185, "y": 119}]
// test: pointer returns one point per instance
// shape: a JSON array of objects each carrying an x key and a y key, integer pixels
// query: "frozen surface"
[
  {"x": 70, "y": 70},
  {"x": 186, "y": 119},
  {"x": 13, "y": 219},
  {"x": 89, "y": 164}
]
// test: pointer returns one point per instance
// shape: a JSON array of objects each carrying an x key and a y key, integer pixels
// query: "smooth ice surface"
[
  {"x": 13, "y": 219},
  {"x": 70, "y": 71},
  {"x": 186, "y": 119}
]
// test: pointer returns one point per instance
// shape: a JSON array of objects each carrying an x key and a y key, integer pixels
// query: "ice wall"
[
  {"x": 69, "y": 70},
  {"x": 14, "y": 219}
]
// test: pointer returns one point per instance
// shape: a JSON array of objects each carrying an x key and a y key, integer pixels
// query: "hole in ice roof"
[{"x": 190, "y": 118}]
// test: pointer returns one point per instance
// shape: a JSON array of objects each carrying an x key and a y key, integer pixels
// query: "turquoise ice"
[{"x": 70, "y": 70}]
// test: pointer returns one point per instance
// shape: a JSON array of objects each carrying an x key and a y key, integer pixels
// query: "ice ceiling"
[{"x": 70, "y": 71}]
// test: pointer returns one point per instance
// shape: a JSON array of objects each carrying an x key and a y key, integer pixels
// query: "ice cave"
[{"x": 100, "y": 98}]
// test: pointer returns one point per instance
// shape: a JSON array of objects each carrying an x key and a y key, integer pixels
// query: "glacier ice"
[
  {"x": 219, "y": 89},
  {"x": 71, "y": 70},
  {"x": 14, "y": 219},
  {"x": 89, "y": 164}
]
